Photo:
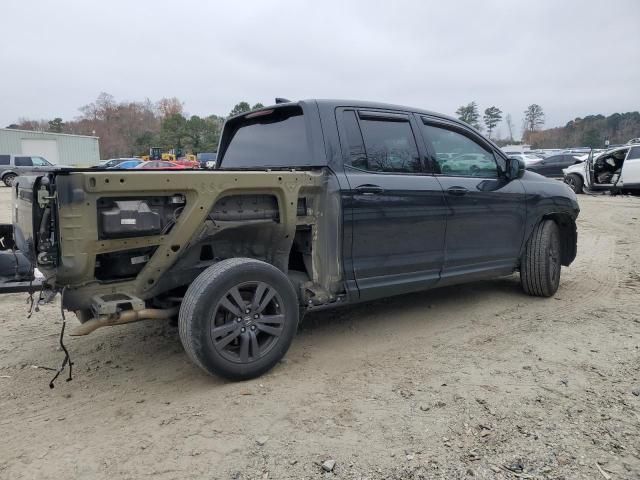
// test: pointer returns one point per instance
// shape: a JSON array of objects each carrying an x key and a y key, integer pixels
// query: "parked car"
[
  {"x": 469, "y": 163},
  {"x": 314, "y": 204},
  {"x": 114, "y": 162},
  {"x": 160, "y": 165},
  {"x": 126, "y": 164},
  {"x": 207, "y": 160},
  {"x": 554, "y": 165},
  {"x": 12, "y": 166},
  {"x": 186, "y": 163},
  {"x": 616, "y": 169},
  {"x": 527, "y": 158}
]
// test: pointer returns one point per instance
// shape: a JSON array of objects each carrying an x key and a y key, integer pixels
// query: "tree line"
[
  {"x": 533, "y": 120},
  {"x": 590, "y": 131},
  {"x": 131, "y": 128}
]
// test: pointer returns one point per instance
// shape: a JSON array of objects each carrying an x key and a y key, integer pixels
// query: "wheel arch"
[
  {"x": 568, "y": 235},
  {"x": 576, "y": 173}
]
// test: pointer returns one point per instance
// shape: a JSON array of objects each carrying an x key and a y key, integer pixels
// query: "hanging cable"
[{"x": 67, "y": 357}]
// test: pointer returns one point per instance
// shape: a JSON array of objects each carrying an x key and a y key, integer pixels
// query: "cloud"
[{"x": 572, "y": 57}]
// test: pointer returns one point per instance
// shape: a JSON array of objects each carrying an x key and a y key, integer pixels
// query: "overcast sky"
[{"x": 572, "y": 57}]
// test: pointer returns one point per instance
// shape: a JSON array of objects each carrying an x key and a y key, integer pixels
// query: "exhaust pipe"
[{"x": 127, "y": 316}]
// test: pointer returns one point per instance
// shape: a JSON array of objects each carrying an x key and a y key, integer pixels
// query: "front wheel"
[
  {"x": 541, "y": 263},
  {"x": 238, "y": 318},
  {"x": 575, "y": 182}
]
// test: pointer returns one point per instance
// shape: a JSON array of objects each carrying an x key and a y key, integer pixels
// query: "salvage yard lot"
[{"x": 474, "y": 380}]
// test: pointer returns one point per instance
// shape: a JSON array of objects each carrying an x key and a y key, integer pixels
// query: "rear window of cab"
[{"x": 266, "y": 138}]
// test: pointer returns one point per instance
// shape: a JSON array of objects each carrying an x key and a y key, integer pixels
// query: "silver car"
[{"x": 12, "y": 166}]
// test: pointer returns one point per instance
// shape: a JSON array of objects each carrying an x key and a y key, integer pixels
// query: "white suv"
[{"x": 614, "y": 169}]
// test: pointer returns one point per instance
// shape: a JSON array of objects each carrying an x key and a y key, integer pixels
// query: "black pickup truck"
[{"x": 313, "y": 204}]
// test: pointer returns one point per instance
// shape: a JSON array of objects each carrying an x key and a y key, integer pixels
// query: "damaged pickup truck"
[{"x": 313, "y": 204}]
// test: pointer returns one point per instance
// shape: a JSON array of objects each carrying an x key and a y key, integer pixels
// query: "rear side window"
[
  {"x": 23, "y": 162},
  {"x": 277, "y": 138},
  {"x": 355, "y": 144},
  {"x": 380, "y": 143},
  {"x": 4, "y": 159},
  {"x": 458, "y": 155}
]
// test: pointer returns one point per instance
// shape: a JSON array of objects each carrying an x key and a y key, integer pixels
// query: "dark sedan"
[{"x": 552, "y": 166}]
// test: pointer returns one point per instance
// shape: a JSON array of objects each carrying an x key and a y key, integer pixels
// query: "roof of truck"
[
  {"x": 375, "y": 105},
  {"x": 336, "y": 103}
]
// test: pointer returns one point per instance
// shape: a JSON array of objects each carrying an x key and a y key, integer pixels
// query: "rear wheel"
[
  {"x": 9, "y": 178},
  {"x": 541, "y": 263},
  {"x": 575, "y": 182},
  {"x": 238, "y": 318}
]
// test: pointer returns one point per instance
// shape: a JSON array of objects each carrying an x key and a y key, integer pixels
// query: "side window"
[
  {"x": 459, "y": 155},
  {"x": 23, "y": 162},
  {"x": 40, "y": 162},
  {"x": 4, "y": 159},
  {"x": 357, "y": 154},
  {"x": 634, "y": 154},
  {"x": 389, "y": 144}
]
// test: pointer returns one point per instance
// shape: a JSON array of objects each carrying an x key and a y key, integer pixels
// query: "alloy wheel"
[{"x": 247, "y": 322}]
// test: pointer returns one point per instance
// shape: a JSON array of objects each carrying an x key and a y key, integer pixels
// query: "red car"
[
  {"x": 187, "y": 163},
  {"x": 160, "y": 165}
]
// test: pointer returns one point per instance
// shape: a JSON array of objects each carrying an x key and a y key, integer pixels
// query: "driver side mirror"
[{"x": 515, "y": 168}]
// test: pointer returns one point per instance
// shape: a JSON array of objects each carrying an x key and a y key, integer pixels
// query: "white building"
[{"x": 60, "y": 148}]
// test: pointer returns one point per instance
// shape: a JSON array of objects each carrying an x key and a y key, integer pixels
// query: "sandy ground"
[{"x": 471, "y": 381}]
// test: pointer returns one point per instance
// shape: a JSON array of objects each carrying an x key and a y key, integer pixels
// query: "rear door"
[
  {"x": 394, "y": 211},
  {"x": 485, "y": 225},
  {"x": 631, "y": 169}
]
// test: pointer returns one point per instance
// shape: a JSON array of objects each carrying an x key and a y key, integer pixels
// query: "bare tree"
[
  {"x": 510, "y": 126},
  {"x": 169, "y": 106},
  {"x": 27, "y": 124}
]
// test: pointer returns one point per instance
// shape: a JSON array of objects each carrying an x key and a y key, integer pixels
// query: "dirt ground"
[{"x": 474, "y": 381}]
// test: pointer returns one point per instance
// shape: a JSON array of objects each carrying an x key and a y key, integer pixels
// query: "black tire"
[
  {"x": 575, "y": 182},
  {"x": 209, "y": 307},
  {"x": 541, "y": 263},
  {"x": 9, "y": 178}
]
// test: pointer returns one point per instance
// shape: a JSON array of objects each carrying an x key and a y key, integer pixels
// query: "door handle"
[
  {"x": 369, "y": 189},
  {"x": 457, "y": 191}
]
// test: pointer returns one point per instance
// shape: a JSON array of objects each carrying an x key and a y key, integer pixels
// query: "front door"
[
  {"x": 394, "y": 211},
  {"x": 631, "y": 169},
  {"x": 486, "y": 221}
]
